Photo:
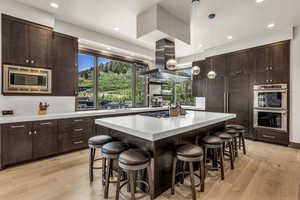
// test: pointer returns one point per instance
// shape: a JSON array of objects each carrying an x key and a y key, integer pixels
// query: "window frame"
[{"x": 97, "y": 54}]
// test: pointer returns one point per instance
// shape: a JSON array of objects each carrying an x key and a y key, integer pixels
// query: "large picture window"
[{"x": 105, "y": 83}]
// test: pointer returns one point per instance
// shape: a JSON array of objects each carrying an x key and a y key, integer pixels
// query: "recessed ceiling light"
[
  {"x": 116, "y": 29},
  {"x": 229, "y": 37},
  {"x": 54, "y": 5},
  {"x": 272, "y": 25},
  {"x": 108, "y": 48},
  {"x": 200, "y": 45},
  {"x": 259, "y": 1}
]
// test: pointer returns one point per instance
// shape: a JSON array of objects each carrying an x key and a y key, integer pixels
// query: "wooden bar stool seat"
[
  {"x": 95, "y": 143},
  {"x": 214, "y": 146},
  {"x": 228, "y": 142},
  {"x": 111, "y": 152},
  {"x": 131, "y": 162},
  {"x": 190, "y": 154}
]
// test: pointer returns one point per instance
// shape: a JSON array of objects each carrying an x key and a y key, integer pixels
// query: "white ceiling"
[{"x": 242, "y": 19}]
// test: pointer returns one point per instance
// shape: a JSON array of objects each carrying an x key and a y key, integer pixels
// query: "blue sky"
[{"x": 87, "y": 61}]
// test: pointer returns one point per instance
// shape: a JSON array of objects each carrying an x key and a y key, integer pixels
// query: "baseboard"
[{"x": 295, "y": 145}]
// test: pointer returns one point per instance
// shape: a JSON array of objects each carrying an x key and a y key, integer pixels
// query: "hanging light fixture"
[
  {"x": 195, "y": 3},
  {"x": 171, "y": 64},
  {"x": 196, "y": 70},
  {"x": 212, "y": 74}
]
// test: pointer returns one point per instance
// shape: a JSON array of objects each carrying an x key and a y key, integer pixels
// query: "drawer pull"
[
  {"x": 21, "y": 126},
  {"x": 78, "y": 120},
  {"x": 79, "y": 142},
  {"x": 269, "y": 136},
  {"x": 78, "y": 129},
  {"x": 45, "y": 124}
]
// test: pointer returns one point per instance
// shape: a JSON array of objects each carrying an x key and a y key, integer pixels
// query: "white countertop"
[
  {"x": 26, "y": 118},
  {"x": 152, "y": 129}
]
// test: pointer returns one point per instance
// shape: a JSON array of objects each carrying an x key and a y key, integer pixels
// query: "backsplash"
[{"x": 28, "y": 105}]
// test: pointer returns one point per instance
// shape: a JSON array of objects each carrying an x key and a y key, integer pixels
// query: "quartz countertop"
[
  {"x": 152, "y": 129},
  {"x": 26, "y": 118}
]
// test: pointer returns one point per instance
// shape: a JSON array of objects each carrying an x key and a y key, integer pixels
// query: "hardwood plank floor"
[{"x": 268, "y": 172}]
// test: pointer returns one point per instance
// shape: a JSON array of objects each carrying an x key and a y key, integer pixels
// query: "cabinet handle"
[
  {"x": 27, "y": 61},
  {"x": 32, "y": 61},
  {"x": 30, "y": 133},
  {"x": 79, "y": 142},
  {"x": 78, "y": 129},
  {"x": 269, "y": 136},
  {"x": 78, "y": 120},
  {"x": 45, "y": 124},
  {"x": 21, "y": 126}
]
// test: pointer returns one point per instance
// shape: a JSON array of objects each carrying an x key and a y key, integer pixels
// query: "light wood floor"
[{"x": 267, "y": 172}]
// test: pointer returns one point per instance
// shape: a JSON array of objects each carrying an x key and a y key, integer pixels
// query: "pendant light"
[
  {"x": 196, "y": 70},
  {"x": 212, "y": 74}
]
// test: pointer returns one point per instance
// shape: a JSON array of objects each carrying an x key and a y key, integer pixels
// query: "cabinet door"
[
  {"x": 219, "y": 65},
  {"x": 262, "y": 65},
  {"x": 199, "y": 81},
  {"x": 40, "y": 46},
  {"x": 215, "y": 95},
  {"x": 45, "y": 138},
  {"x": 17, "y": 143},
  {"x": 15, "y": 42},
  {"x": 279, "y": 67},
  {"x": 64, "y": 65},
  {"x": 239, "y": 99}
]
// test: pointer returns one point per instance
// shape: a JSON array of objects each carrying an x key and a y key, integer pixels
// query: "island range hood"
[{"x": 164, "y": 53}]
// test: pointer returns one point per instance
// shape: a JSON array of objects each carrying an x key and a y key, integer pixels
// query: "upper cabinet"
[
  {"x": 25, "y": 43},
  {"x": 272, "y": 63},
  {"x": 64, "y": 61}
]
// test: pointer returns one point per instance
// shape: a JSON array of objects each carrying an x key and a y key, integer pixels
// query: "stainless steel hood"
[{"x": 165, "y": 51}]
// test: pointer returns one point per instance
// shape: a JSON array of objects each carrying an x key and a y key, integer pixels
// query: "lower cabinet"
[
  {"x": 74, "y": 133},
  {"x": 29, "y": 140}
]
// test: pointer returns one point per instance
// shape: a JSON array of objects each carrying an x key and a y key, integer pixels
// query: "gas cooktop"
[{"x": 158, "y": 114}]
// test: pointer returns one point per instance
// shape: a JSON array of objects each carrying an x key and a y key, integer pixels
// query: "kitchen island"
[{"x": 160, "y": 136}]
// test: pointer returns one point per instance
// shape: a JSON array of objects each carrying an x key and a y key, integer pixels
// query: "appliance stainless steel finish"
[
  {"x": 270, "y": 96},
  {"x": 18, "y": 79},
  {"x": 271, "y": 119},
  {"x": 270, "y": 106}
]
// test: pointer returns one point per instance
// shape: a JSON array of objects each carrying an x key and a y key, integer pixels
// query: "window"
[
  {"x": 112, "y": 84},
  {"x": 183, "y": 90}
]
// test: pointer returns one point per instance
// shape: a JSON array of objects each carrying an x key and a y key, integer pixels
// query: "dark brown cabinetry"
[
  {"x": 27, "y": 141},
  {"x": 271, "y": 62},
  {"x": 74, "y": 133},
  {"x": 64, "y": 64},
  {"x": 25, "y": 43},
  {"x": 45, "y": 139},
  {"x": 237, "y": 73},
  {"x": 17, "y": 142}
]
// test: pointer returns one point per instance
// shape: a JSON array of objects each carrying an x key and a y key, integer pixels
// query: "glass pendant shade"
[
  {"x": 171, "y": 64},
  {"x": 211, "y": 75},
  {"x": 196, "y": 70}
]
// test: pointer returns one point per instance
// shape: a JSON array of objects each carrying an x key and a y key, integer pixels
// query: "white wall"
[{"x": 295, "y": 87}]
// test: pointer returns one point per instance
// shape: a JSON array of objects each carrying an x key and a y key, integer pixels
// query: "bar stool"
[
  {"x": 228, "y": 142},
  {"x": 189, "y": 153},
  {"x": 131, "y": 162},
  {"x": 241, "y": 130},
  {"x": 95, "y": 143},
  {"x": 235, "y": 136},
  {"x": 214, "y": 145},
  {"x": 110, "y": 152}
]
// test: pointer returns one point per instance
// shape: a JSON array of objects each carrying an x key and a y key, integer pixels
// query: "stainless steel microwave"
[{"x": 17, "y": 79}]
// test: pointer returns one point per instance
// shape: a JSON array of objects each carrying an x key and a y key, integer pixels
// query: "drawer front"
[
  {"x": 75, "y": 137},
  {"x": 276, "y": 137},
  {"x": 75, "y": 122}
]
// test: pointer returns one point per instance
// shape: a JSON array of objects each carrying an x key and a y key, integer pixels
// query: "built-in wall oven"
[
  {"x": 17, "y": 79},
  {"x": 271, "y": 106},
  {"x": 270, "y": 96}
]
